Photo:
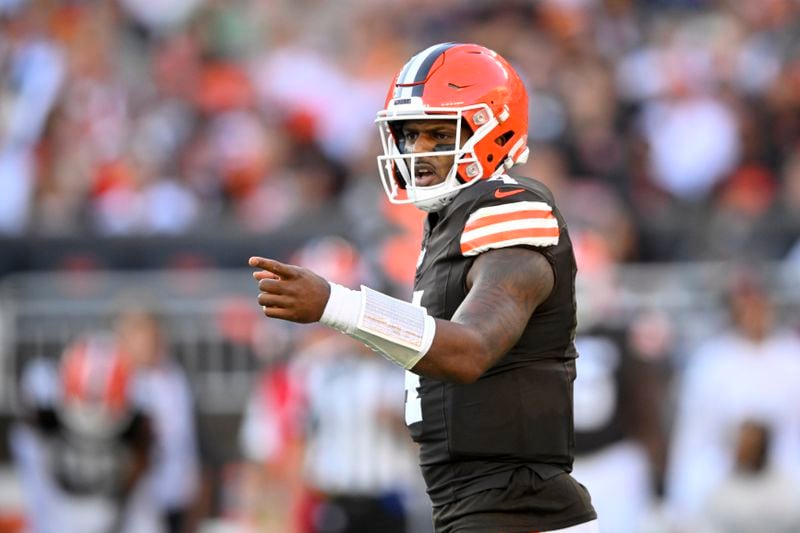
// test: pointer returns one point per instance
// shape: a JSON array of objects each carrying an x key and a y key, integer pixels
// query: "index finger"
[{"x": 270, "y": 265}]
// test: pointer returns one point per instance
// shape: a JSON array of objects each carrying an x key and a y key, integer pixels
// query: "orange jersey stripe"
[
  {"x": 530, "y": 233},
  {"x": 506, "y": 217}
]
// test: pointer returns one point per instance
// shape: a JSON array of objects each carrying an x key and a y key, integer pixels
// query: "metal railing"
[{"x": 40, "y": 313}]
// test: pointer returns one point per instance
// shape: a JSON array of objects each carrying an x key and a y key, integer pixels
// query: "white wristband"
[{"x": 342, "y": 310}]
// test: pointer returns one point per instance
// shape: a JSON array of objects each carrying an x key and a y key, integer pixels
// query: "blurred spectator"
[
  {"x": 754, "y": 496},
  {"x": 787, "y": 215},
  {"x": 271, "y": 443},
  {"x": 85, "y": 447},
  {"x": 747, "y": 372},
  {"x": 693, "y": 143},
  {"x": 620, "y": 437},
  {"x": 333, "y": 409},
  {"x": 32, "y": 70},
  {"x": 164, "y": 394},
  {"x": 160, "y": 15},
  {"x": 740, "y": 225},
  {"x": 357, "y": 469}
]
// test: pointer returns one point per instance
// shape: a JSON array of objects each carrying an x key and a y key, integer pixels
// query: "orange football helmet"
[
  {"x": 476, "y": 88},
  {"x": 95, "y": 378}
]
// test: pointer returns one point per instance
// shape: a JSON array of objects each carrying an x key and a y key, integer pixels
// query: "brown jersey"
[{"x": 520, "y": 411}]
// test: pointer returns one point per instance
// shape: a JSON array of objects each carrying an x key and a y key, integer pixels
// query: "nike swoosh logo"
[{"x": 502, "y": 194}]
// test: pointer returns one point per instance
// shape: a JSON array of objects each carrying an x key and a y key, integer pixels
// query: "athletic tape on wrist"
[{"x": 398, "y": 330}]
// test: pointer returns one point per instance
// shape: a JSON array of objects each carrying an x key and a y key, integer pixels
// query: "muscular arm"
[{"x": 505, "y": 287}]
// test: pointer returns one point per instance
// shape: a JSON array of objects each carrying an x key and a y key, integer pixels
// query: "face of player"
[{"x": 428, "y": 136}]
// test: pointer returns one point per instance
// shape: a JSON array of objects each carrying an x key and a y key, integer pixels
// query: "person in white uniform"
[{"x": 748, "y": 372}]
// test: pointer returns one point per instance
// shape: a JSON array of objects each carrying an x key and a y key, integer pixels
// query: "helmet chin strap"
[{"x": 436, "y": 204}]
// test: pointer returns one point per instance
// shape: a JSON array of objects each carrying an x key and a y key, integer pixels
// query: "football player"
[
  {"x": 85, "y": 447},
  {"x": 488, "y": 339}
]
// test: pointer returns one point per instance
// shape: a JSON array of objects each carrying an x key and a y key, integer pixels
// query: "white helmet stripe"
[{"x": 417, "y": 69}]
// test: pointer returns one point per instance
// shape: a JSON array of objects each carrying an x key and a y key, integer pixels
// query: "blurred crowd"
[{"x": 668, "y": 129}]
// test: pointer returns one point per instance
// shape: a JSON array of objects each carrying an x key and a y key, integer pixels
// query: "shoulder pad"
[{"x": 508, "y": 212}]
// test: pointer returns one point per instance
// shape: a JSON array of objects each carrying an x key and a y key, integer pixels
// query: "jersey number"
[{"x": 413, "y": 400}]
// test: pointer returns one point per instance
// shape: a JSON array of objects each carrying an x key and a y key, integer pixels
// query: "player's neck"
[{"x": 433, "y": 219}]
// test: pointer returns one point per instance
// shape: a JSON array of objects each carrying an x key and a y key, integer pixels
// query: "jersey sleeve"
[{"x": 507, "y": 217}]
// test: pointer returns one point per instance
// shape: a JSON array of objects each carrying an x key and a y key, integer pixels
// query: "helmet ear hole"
[
  {"x": 490, "y": 158},
  {"x": 504, "y": 138}
]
